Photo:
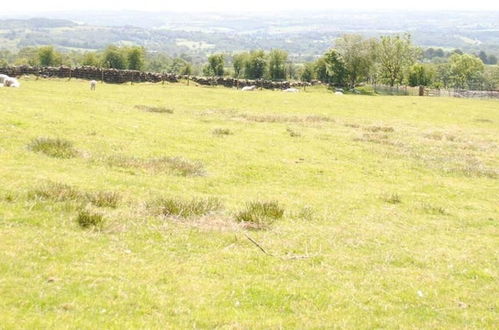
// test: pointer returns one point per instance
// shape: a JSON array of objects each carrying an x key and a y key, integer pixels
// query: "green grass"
[{"x": 390, "y": 209}]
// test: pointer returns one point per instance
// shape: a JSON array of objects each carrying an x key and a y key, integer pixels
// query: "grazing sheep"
[
  {"x": 11, "y": 82},
  {"x": 93, "y": 84},
  {"x": 2, "y": 78},
  {"x": 291, "y": 90},
  {"x": 249, "y": 88},
  {"x": 338, "y": 93}
]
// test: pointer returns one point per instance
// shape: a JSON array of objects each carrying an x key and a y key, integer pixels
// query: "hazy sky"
[{"x": 20, "y": 6}]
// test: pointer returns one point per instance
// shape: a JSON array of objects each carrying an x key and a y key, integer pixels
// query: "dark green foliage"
[
  {"x": 336, "y": 71},
  {"x": 308, "y": 72},
  {"x": 135, "y": 58},
  {"x": 47, "y": 56},
  {"x": 420, "y": 75},
  {"x": 216, "y": 64},
  {"x": 57, "y": 148},
  {"x": 185, "y": 208},
  {"x": 88, "y": 219},
  {"x": 114, "y": 58},
  {"x": 277, "y": 64},
  {"x": 261, "y": 214},
  {"x": 256, "y": 65}
]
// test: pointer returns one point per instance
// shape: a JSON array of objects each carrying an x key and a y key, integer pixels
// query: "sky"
[{"x": 24, "y": 6}]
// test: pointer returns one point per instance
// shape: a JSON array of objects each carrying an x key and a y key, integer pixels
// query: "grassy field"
[{"x": 134, "y": 217}]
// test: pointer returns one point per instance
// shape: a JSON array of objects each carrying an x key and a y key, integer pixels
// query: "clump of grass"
[
  {"x": 352, "y": 125},
  {"x": 222, "y": 131},
  {"x": 177, "y": 165},
  {"x": 104, "y": 198},
  {"x": 292, "y": 132},
  {"x": 375, "y": 138},
  {"x": 286, "y": 119},
  {"x": 392, "y": 198},
  {"x": 148, "y": 108},
  {"x": 430, "y": 209},
  {"x": 88, "y": 219},
  {"x": 185, "y": 208},
  {"x": 58, "y": 192},
  {"x": 374, "y": 129},
  {"x": 57, "y": 148},
  {"x": 260, "y": 214}
]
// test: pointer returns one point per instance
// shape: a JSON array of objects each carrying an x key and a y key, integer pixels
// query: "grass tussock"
[
  {"x": 148, "y": 108},
  {"x": 259, "y": 215},
  {"x": 177, "y": 165},
  {"x": 177, "y": 207},
  {"x": 221, "y": 131},
  {"x": 286, "y": 119},
  {"x": 292, "y": 132},
  {"x": 53, "y": 147},
  {"x": 375, "y": 138},
  {"x": 90, "y": 219},
  {"x": 392, "y": 198},
  {"x": 60, "y": 192},
  {"x": 435, "y": 210},
  {"x": 375, "y": 129}
]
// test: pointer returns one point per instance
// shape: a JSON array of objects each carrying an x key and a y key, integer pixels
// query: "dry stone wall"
[{"x": 123, "y": 76}]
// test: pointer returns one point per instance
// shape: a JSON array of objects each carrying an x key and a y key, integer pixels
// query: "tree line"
[{"x": 353, "y": 60}]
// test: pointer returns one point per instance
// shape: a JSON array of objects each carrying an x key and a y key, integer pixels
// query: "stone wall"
[{"x": 122, "y": 76}]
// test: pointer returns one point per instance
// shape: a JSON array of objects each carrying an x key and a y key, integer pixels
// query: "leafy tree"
[
  {"x": 483, "y": 56},
  {"x": 465, "y": 70},
  {"x": 177, "y": 65},
  {"x": 135, "y": 58},
  {"x": 277, "y": 64},
  {"x": 420, "y": 75},
  {"x": 27, "y": 56},
  {"x": 114, "y": 58},
  {"x": 186, "y": 70},
  {"x": 443, "y": 75},
  {"x": 47, "y": 56},
  {"x": 256, "y": 65},
  {"x": 492, "y": 60},
  {"x": 320, "y": 70},
  {"x": 395, "y": 54},
  {"x": 308, "y": 72},
  {"x": 90, "y": 59},
  {"x": 239, "y": 62},
  {"x": 357, "y": 56},
  {"x": 216, "y": 64},
  {"x": 336, "y": 70}
]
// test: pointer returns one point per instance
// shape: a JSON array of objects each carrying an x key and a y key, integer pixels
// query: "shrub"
[
  {"x": 87, "y": 219},
  {"x": 57, "y": 148},
  {"x": 154, "y": 109},
  {"x": 185, "y": 208},
  {"x": 260, "y": 214}
]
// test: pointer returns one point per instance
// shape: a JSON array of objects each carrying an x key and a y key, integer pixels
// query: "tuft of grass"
[
  {"x": 430, "y": 209},
  {"x": 57, "y": 148},
  {"x": 374, "y": 129},
  {"x": 260, "y": 214},
  {"x": 292, "y": 132},
  {"x": 185, "y": 208},
  {"x": 148, "y": 108},
  {"x": 392, "y": 198},
  {"x": 222, "y": 131},
  {"x": 286, "y": 119},
  {"x": 177, "y": 165},
  {"x": 88, "y": 219},
  {"x": 104, "y": 198},
  {"x": 58, "y": 192}
]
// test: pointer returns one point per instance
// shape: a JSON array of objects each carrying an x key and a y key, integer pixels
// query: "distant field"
[{"x": 123, "y": 208}]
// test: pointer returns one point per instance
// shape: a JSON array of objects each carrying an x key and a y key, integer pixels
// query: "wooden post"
[{"x": 421, "y": 90}]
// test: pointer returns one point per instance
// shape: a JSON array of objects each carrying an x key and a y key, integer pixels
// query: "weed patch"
[
  {"x": 392, "y": 198},
  {"x": 436, "y": 210},
  {"x": 56, "y": 148},
  {"x": 286, "y": 119},
  {"x": 292, "y": 132},
  {"x": 104, "y": 198},
  {"x": 222, "y": 131},
  {"x": 259, "y": 215},
  {"x": 176, "y": 165},
  {"x": 374, "y": 129}
]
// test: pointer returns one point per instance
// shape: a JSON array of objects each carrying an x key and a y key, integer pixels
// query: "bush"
[
  {"x": 260, "y": 214},
  {"x": 185, "y": 208},
  {"x": 87, "y": 219},
  {"x": 57, "y": 148}
]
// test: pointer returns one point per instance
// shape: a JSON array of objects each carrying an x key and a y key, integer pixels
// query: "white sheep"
[
  {"x": 93, "y": 84},
  {"x": 2, "y": 78},
  {"x": 291, "y": 90},
  {"x": 249, "y": 88},
  {"x": 11, "y": 82}
]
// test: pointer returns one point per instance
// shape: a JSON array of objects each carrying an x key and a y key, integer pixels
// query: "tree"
[
  {"x": 443, "y": 75},
  {"x": 465, "y": 70},
  {"x": 492, "y": 60},
  {"x": 177, "y": 65},
  {"x": 27, "y": 56},
  {"x": 114, "y": 58},
  {"x": 47, "y": 56},
  {"x": 308, "y": 72},
  {"x": 90, "y": 59},
  {"x": 320, "y": 70},
  {"x": 483, "y": 56},
  {"x": 277, "y": 64},
  {"x": 420, "y": 75},
  {"x": 216, "y": 64},
  {"x": 256, "y": 65},
  {"x": 357, "y": 56},
  {"x": 239, "y": 62},
  {"x": 336, "y": 70},
  {"x": 135, "y": 58},
  {"x": 395, "y": 54}
]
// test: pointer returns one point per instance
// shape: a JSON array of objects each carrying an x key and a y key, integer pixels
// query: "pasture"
[{"x": 174, "y": 206}]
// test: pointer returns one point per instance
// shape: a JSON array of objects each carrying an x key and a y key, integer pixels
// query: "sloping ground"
[{"x": 118, "y": 209}]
